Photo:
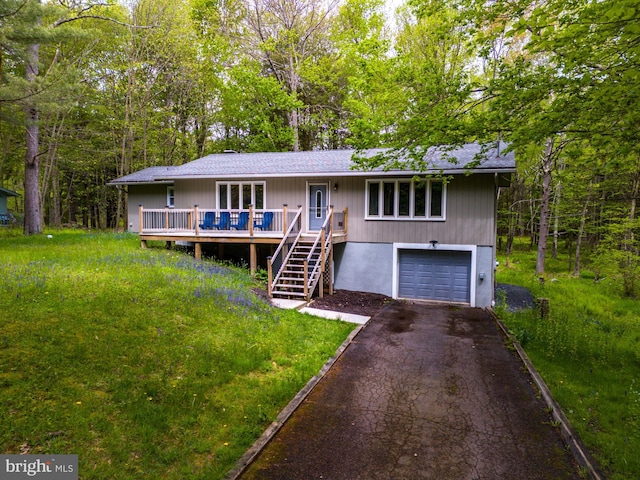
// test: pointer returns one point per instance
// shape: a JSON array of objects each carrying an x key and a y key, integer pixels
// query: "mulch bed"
[
  {"x": 358, "y": 303},
  {"x": 369, "y": 304}
]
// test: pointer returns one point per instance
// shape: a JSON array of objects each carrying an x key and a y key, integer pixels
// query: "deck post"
[
  {"x": 331, "y": 222},
  {"x": 269, "y": 275},
  {"x": 166, "y": 217},
  {"x": 331, "y": 271},
  {"x": 195, "y": 216},
  {"x": 285, "y": 227},
  {"x": 322, "y": 262},
  {"x": 141, "y": 222},
  {"x": 198, "y": 251},
  {"x": 253, "y": 258},
  {"x": 323, "y": 238},
  {"x": 251, "y": 223},
  {"x": 346, "y": 215},
  {"x": 305, "y": 278}
]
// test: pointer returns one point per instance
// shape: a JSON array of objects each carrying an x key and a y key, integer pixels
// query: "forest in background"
[{"x": 93, "y": 90}]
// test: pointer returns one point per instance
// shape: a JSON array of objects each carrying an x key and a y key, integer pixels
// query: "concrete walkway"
[
  {"x": 422, "y": 392},
  {"x": 301, "y": 305}
]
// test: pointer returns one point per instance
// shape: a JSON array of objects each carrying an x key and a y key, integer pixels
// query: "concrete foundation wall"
[
  {"x": 368, "y": 267},
  {"x": 485, "y": 264},
  {"x": 364, "y": 267}
]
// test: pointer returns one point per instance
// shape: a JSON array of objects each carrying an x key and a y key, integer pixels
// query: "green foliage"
[
  {"x": 145, "y": 363},
  {"x": 618, "y": 257},
  {"x": 588, "y": 352},
  {"x": 253, "y": 117}
]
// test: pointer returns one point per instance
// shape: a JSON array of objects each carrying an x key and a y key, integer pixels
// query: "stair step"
[
  {"x": 288, "y": 294},
  {"x": 288, "y": 287},
  {"x": 292, "y": 281}
]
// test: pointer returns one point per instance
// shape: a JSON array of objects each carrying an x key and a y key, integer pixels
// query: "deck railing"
[
  {"x": 339, "y": 222},
  {"x": 188, "y": 221},
  {"x": 192, "y": 220},
  {"x": 315, "y": 263},
  {"x": 282, "y": 253}
]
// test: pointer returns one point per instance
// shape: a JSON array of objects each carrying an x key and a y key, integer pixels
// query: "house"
[
  {"x": 406, "y": 234},
  {"x": 5, "y": 217}
]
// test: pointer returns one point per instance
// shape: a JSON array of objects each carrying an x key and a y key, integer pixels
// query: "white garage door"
[{"x": 434, "y": 275}]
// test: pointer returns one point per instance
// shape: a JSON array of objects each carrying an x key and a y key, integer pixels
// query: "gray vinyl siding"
[
  {"x": 201, "y": 192},
  {"x": 470, "y": 207},
  {"x": 149, "y": 196}
]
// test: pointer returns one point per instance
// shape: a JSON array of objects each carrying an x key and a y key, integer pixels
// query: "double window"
[
  {"x": 239, "y": 195},
  {"x": 405, "y": 199}
]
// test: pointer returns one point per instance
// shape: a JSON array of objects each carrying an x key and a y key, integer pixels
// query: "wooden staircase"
[
  {"x": 291, "y": 282},
  {"x": 303, "y": 260}
]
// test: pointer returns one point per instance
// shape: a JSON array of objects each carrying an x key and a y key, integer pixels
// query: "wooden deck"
[{"x": 186, "y": 225}]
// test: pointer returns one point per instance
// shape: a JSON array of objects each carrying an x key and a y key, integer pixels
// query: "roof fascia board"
[
  {"x": 392, "y": 173},
  {"x": 146, "y": 182}
]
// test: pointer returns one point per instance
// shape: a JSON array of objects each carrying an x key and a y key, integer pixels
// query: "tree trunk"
[
  {"x": 56, "y": 202},
  {"x": 547, "y": 166},
  {"x": 634, "y": 201},
  {"x": 32, "y": 211},
  {"x": 293, "y": 115},
  {"x": 583, "y": 222},
  {"x": 556, "y": 220}
]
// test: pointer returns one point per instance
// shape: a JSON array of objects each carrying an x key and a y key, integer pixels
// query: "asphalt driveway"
[{"x": 423, "y": 391}]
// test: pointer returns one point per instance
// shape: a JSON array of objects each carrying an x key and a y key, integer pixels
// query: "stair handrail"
[
  {"x": 311, "y": 279},
  {"x": 283, "y": 242}
]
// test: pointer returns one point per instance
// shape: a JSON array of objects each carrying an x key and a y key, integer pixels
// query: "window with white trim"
[
  {"x": 239, "y": 195},
  {"x": 171, "y": 197},
  {"x": 405, "y": 199}
]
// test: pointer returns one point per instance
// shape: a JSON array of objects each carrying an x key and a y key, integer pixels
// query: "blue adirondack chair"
[
  {"x": 209, "y": 220},
  {"x": 267, "y": 219},
  {"x": 243, "y": 219},
  {"x": 223, "y": 224}
]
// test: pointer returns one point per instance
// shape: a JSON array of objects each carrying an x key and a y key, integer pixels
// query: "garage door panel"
[{"x": 434, "y": 275}]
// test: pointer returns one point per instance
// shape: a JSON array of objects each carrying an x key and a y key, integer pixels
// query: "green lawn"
[
  {"x": 588, "y": 352},
  {"x": 145, "y": 363}
]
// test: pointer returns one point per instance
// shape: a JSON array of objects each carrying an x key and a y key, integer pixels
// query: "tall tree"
[
  {"x": 36, "y": 25},
  {"x": 372, "y": 100},
  {"x": 284, "y": 34}
]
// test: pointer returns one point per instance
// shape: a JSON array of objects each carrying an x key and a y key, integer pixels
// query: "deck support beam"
[
  {"x": 198, "y": 251},
  {"x": 253, "y": 258}
]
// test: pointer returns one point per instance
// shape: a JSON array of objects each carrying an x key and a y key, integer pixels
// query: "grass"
[
  {"x": 145, "y": 363},
  {"x": 588, "y": 352}
]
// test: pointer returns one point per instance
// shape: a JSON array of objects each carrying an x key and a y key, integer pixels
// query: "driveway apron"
[{"x": 424, "y": 391}]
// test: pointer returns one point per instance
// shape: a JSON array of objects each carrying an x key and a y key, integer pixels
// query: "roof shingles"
[{"x": 314, "y": 163}]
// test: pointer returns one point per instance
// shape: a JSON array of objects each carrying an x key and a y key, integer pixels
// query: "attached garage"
[{"x": 435, "y": 274}]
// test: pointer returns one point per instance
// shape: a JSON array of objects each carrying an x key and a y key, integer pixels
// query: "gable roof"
[
  {"x": 8, "y": 193},
  {"x": 324, "y": 163},
  {"x": 148, "y": 175}
]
